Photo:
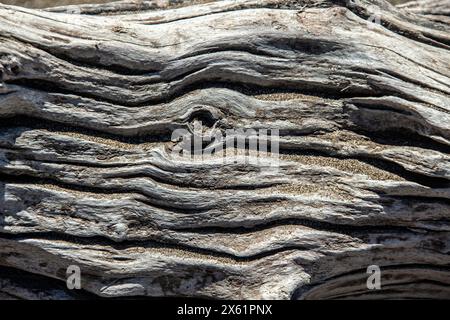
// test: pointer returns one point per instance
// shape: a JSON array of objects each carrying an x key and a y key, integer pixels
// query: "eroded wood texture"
[
  {"x": 89, "y": 98},
  {"x": 438, "y": 10}
]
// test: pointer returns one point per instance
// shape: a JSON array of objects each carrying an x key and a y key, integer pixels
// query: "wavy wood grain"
[{"x": 89, "y": 99}]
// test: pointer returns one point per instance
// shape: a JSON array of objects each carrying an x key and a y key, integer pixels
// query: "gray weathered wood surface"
[{"x": 89, "y": 96}]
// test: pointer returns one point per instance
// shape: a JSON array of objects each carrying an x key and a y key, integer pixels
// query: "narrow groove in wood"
[
  {"x": 238, "y": 85},
  {"x": 304, "y": 291},
  {"x": 389, "y": 166}
]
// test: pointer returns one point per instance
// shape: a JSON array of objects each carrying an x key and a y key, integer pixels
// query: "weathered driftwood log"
[{"x": 89, "y": 98}]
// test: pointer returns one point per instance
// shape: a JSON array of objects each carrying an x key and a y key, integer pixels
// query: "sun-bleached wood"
[{"x": 90, "y": 95}]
